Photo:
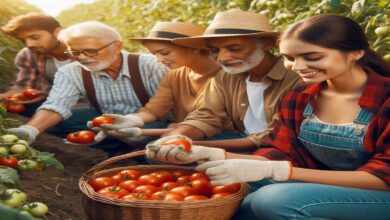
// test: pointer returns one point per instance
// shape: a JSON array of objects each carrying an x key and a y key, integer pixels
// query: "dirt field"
[{"x": 59, "y": 190}]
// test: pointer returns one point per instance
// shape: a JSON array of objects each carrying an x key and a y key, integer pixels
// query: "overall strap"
[
  {"x": 90, "y": 89},
  {"x": 136, "y": 79},
  {"x": 364, "y": 117},
  {"x": 50, "y": 69},
  {"x": 308, "y": 110}
]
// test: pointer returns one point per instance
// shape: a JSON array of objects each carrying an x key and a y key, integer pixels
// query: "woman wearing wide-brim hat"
[{"x": 180, "y": 91}]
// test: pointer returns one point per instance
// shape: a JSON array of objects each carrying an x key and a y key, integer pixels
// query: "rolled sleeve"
[{"x": 63, "y": 95}]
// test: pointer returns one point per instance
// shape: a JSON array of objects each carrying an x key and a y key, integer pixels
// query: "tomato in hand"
[
  {"x": 179, "y": 142},
  {"x": 101, "y": 182},
  {"x": 81, "y": 137},
  {"x": 98, "y": 121},
  {"x": 8, "y": 161},
  {"x": 30, "y": 93},
  {"x": 113, "y": 192},
  {"x": 15, "y": 108}
]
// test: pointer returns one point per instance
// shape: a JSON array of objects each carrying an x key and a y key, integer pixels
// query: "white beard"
[
  {"x": 98, "y": 66},
  {"x": 253, "y": 60}
]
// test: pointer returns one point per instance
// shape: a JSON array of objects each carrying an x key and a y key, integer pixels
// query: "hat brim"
[
  {"x": 142, "y": 39},
  {"x": 200, "y": 41}
]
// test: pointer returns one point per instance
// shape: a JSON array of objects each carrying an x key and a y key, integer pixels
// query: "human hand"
[
  {"x": 123, "y": 121},
  {"x": 26, "y": 131},
  {"x": 225, "y": 172}
]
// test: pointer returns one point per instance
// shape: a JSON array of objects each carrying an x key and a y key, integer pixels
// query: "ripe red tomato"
[
  {"x": 130, "y": 174},
  {"x": 8, "y": 161},
  {"x": 179, "y": 173},
  {"x": 113, "y": 192},
  {"x": 30, "y": 93},
  {"x": 183, "y": 180},
  {"x": 169, "y": 185},
  {"x": 195, "y": 198},
  {"x": 15, "y": 108},
  {"x": 150, "y": 180},
  {"x": 146, "y": 189},
  {"x": 179, "y": 142},
  {"x": 129, "y": 185},
  {"x": 98, "y": 121},
  {"x": 183, "y": 190},
  {"x": 164, "y": 176},
  {"x": 102, "y": 182},
  {"x": 232, "y": 188},
  {"x": 16, "y": 97},
  {"x": 220, "y": 195},
  {"x": 202, "y": 187},
  {"x": 136, "y": 196},
  {"x": 81, "y": 137},
  {"x": 199, "y": 175},
  {"x": 166, "y": 196}
]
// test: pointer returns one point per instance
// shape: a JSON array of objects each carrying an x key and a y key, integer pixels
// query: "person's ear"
[
  {"x": 357, "y": 55},
  {"x": 56, "y": 31},
  {"x": 267, "y": 44},
  {"x": 118, "y": 45}
]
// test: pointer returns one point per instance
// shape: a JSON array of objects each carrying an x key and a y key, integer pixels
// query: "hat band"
[
  {"x": 168, "y": 35},
  {"x": 232, "y": 31}
]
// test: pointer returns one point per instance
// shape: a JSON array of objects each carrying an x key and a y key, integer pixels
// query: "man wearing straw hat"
[
  {"x": 102, "y": 74},
  {"x": 244, "y": 100}
]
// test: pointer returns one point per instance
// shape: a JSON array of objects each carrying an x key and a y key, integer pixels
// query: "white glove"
[
  {"x": 99, "y": 137},
  {"x": 125, "y": 133},
  {"x": 174, "y": 154},
  {"x": 225, "y": 172},
  {"x": 26, "y": 131},
  {"x": 123, "y": 121}
]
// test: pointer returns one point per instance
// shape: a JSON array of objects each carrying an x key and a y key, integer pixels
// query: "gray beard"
[{"x": 253, "y": 60}]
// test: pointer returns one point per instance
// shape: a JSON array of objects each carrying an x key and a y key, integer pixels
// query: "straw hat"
[
  {"x": 166, "y": 31},
  {"x": 231, "y": 24}
]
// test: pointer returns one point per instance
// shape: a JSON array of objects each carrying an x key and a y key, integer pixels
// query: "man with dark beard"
[
  {"x": 39, "y": 60},
  {"x": 97, "y": 50},
  {"x": 241, "y": 103}
]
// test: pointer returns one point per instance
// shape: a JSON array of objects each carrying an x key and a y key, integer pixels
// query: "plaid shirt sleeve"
[
  {"x": 27, "y": 74},
  {"x": 282, "y": 143}
]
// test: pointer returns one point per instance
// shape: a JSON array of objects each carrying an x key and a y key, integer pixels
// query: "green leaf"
[
  {"x": 48, "y": 159},
  {"x": 3, "y": 111},
  {"x": 9, "y": 177},
  {"x": 11, "y": 123}
]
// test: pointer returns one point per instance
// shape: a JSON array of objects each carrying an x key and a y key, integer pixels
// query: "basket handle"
[{"x": 91, "y": 172}]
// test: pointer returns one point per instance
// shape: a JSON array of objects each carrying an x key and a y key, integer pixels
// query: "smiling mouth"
[{"x": 308, "y": 74}]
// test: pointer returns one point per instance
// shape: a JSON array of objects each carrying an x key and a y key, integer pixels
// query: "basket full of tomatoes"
[{"x": 156, "y": 192}]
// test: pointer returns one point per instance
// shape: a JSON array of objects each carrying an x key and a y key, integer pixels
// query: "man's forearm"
[
  {"x": 44, "y": 119},
  {"x": 189, "y": 131},
  {"x": 232, "y": 145}
]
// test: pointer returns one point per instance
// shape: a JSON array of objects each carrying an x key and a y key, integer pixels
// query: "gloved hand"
[
  {"x": 176, "y": 155},
  {"x": 225, "y": 172},
  {"x": 99, "y": 137},
  {"x": 26, "y": 131},
  {"x": 123, "y": 121},
  {"x": 125, "y": 133}
]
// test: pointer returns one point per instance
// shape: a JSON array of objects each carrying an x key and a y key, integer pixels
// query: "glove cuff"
[
  {"x": 32, "y": 132},
  {"x": 282, "y": 170},
  {"x": 138, "y": 121},
  {"x": 216, "y": 154}
]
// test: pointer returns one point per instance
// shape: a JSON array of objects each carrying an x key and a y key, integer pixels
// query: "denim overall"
[{"x": 338, "y": 147}]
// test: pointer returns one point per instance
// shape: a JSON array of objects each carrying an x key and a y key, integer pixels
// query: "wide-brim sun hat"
[
  {"x": 167, "y": 31},
  {"x": 233, "y": 23}
]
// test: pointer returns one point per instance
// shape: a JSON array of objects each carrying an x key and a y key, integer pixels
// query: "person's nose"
[
  {"x": 298, "y": 65},
  {"x": 29, "y": 43},
  {"x": 160, "y": 58},
  {"x": 223, "y": 56}
]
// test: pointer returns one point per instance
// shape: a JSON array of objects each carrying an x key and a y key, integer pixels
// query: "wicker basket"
[{"x": 98, "y": 207}]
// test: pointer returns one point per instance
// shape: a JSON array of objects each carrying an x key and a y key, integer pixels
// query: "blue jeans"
[
  {"x": 298, "y": 200},
  {"x": 78, "y": 122}
]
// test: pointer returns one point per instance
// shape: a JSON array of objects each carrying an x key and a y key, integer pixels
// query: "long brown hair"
[{"x": 341, "y": 33}]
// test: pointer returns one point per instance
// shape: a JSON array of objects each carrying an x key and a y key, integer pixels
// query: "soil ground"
[{"x": 59, "y": 189}]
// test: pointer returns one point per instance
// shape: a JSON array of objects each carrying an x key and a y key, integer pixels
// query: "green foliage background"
[
  {"x": 136, "y": 17},
  {"x": 10, "y": 46}
]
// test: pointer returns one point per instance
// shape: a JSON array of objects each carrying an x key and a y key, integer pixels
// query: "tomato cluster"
[
  {"x": 169, "y": 186},
  {"x": 11, "y": 104},
  {"x": 16, "y": 199}
]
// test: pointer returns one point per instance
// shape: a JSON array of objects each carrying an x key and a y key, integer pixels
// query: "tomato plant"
[
  {"x": 4, "y": 150},
  {"x": 9, "y": 138},
  {"x": 18, "y": 148},
  {"x": 36, "y": 209},
  {"x": 101, "y": 182},
  {"x": 184, "y": 144},
  {"x": 98, "y": 121},
  {"x": 81, "y": 137},
  {"x": 13, "y": 198},
  {"x": 113, "y": 192},
  {"x": 9, "y": 161}
]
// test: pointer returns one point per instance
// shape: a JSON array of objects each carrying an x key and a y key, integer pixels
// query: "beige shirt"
[
  {"x": 176, "y": 93},
  {"x": 225, "y": 102}
]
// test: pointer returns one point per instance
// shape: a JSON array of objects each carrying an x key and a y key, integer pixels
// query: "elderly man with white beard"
[
  {"x": 104, "y": 75},
  {"x": 241, "y": 103}
]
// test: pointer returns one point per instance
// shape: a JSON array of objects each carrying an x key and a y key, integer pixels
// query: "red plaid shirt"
[
  {"x": 31, "y": 71},
  {"x": 283, "y": 144}
]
